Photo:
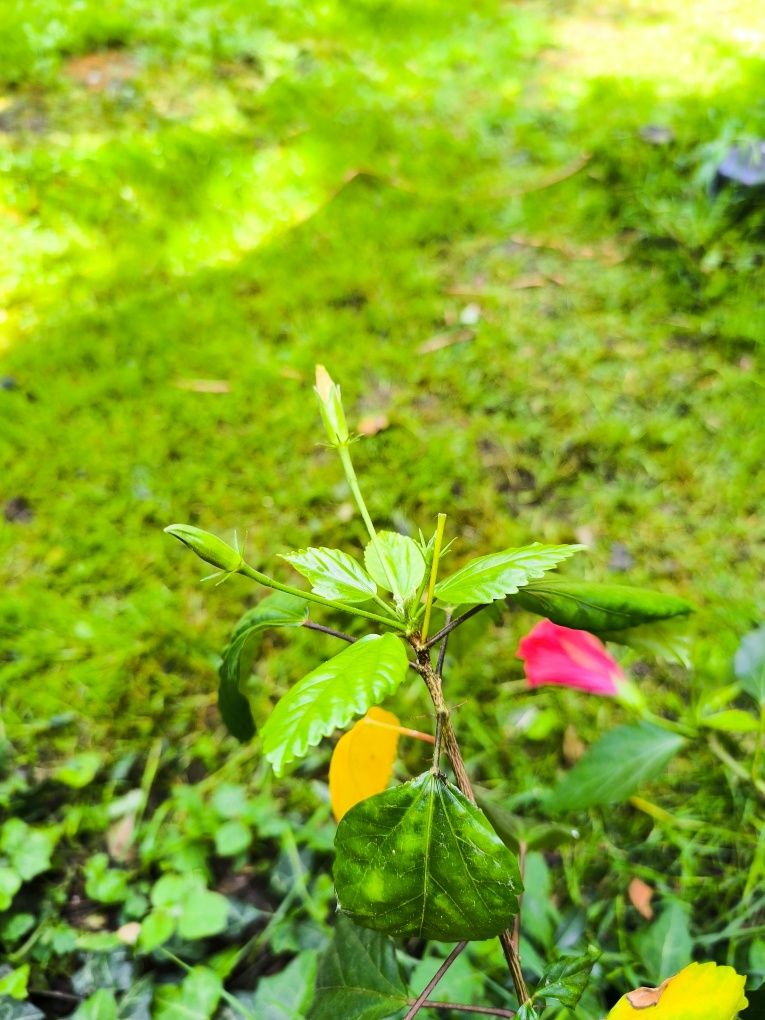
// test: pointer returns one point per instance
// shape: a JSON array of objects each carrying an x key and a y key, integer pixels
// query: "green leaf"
[
  {"x": 232, "y": 838},
  {"x": 288, "y": 994},
  {"x": 12, "y": 1009},
  {"x": 666, "y": 640},
  {"x": 28, "y": 849},
  {"x": 105, "y": 884},
  {"x": 499, "y": 574},
  {"x": 598, "y": 607},
  {"x": 749, "y": 664},
  {"x": 156, "y": 929},
  {"x": 666, "y": 947},
  {"x": 566, "y": 979},
  {"x": 196, "y": 998},
  {"x": 277, "y": 610},
  {"x": 615, "y": 766},
  {"x": 344, "y": 686},
  {"x": 204, "y": 914},
  {"x": 15, "y": 982},
  {"x": 527, "y": 1012},
  {"x": 358, "y": 977},
  {"x": 421, "y": 860},
  {"x": 100, "y": 1006},
  {"x": 403, "y": 559},
  {"x": 79, "y": 771},
  {"x": 200, "y": 913},
  {"x": 333, "y": 574},
  {"x": 10, "y": 883},
  {"x": 733, "y": 720},
  {"x": 513, "y": 829}
]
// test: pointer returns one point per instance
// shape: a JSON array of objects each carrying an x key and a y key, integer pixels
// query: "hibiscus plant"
[{"x": 433, "y": 858}]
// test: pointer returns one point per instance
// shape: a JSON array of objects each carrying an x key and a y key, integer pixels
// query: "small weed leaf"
[
  {"x": 329, "y": 697},
  {"x": 422, "y": 860}
]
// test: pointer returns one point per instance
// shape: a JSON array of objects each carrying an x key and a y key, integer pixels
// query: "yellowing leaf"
[{"x": 362, "y": 761}]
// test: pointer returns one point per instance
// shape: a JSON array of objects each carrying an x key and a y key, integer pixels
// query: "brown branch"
[
  {"x": 522, "y": 849},
  {"x": 465, "y": 1008},
  {"x": 310, "y": 625},
  {"x": 452, "y": 625},
  {"x": 420, "y": 1000}
]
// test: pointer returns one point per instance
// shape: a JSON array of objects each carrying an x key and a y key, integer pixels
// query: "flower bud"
[
  {"x": 208, "y": 547},
  {"x": 331, "y": 407}
]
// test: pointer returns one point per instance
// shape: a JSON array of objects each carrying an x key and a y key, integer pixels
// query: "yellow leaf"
[
  {"x": 362, "y": 761},
  {"x": 701, "y": 991}
]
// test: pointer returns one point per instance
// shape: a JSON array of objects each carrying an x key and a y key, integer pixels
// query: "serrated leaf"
[
  {"x": 358, "y": 977},
  {"x": 499, "y": 574},
  {"x": 195, "y": 999},
  {"x": 598, "y": 607},
  {"x": 614, "y": 767},
  {"x": 288, "y": 994},
  {"x": 749, "y": 664},
  {"x": 402, "y": 567},
  {"x": 733, "y": 720},
  {"x": 328, "y": 698},
  {"x": 277, "y": 610},
  {"x": 666, "y": 640},
  {"x": 422, "y": 860},
  {"x": 566, "y": 979},
  {"x": 666, "y": 947},
  {"x": 333, "y": 574},
  {"x": 362, "y": 761}
]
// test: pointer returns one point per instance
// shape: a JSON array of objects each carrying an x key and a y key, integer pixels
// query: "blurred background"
[{"x": 525, "y": 238}]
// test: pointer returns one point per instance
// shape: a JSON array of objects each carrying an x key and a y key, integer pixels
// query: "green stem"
[
  {"x": 758, "y": 746},
  {"x": 738, "y": 770},
  {"x": 353, "y": 483},
  {"x": 309, "y": 596},
  {"x": 441, "y": 524}
]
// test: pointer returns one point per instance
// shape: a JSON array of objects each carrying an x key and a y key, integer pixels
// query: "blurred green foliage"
[{"x": 495, "y": 224}]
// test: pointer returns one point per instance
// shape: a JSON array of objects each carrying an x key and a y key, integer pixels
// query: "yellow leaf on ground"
[{"x": 362, "y": 762}]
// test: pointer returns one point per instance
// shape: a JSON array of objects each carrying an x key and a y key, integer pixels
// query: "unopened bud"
[
  {"x": 331, "y": 407},
  {"x": 208, "y": 547}
]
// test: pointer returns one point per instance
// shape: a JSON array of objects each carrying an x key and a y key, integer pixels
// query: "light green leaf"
[
  {"x": 615, "y": 766},
  {"x": 566, "y": 979},
  {"x": 80, "y": 770},
  {"x": 10, "y": 883},
  {"x": 105, "y": 884},
  {"x": 288, "y": 994},
  {"x": 100, "y": 1006},
  {"x": 277, "y": 610},
  {"x": 231, "y": 838},
  {"x": 402, "y": 558},
  {"x": 749, "y": 664},
  {"x": 29, "y": 850},
  {"x": 499, "y": 574},
  {"x": 421, "y": 860},
  {"x": 196, "y": 999},
  {"x": 15, "y": 982},
  {"x": 333, "y": 574},
  {"x": 358, "y": 977},
  {"x": 666, "y": 947},
  {"x": 156, "y": 929},
  {"x": 344, "y": 686},
  {"x": 204, "y": 914},
  {"x": 666, "y": 640},
  {"x": 598, "y": 607},
  {"x": 733, "y": 720}
]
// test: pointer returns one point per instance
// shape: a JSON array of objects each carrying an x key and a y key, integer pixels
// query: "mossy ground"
[{"x": 494, "y": 223}]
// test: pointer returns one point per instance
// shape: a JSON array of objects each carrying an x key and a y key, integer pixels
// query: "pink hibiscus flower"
[{"x": 571, "y": 658}]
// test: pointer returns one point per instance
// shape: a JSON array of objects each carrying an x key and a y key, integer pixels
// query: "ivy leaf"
[
  {"x": 566, "y": 979},
  {"x": 499, "y": 574},
  {"x": 614, "y": 767},
  {"x": 404, "y": 562},
  {"x": 287, "y": 995},
  {"x": 195, "y": 999},
  {"x": 362, "y": 761},
  {"x": 12, "y": 1009},
  {"x": 598, "y": 607},
  {"x": 100, "y": 1006},
  {"x": 329, "y": 697},
  {"x": 14, "y": 983},
  {"x": 333, "y": 574},
  {"x": 277, "y": 610},
  {"x": 421, "y": 860},
  {"x": 749, "y": 664},
  {"x": 358, "y": 977},
  {"x": 666, "y": 640}
]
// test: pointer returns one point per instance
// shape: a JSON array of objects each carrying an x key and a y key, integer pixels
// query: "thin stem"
[
  {"x": 440, "y": 525},
  {"x": 442, "y": 649},
  {"x": 738, "y": 770},
  {"x": 464, "y": 1008},
  {"x": 353, "y": 484},
  {"x": 420, "y": 1000},
  {"x": 309, "y": 596},
  {"x": 452, "y": 626},
  {"x": 757, "y": 758},
  {"x": 310, "y": 625},
  {"x": 405, "y": 731},
  {"x": 522, "y": 850}
]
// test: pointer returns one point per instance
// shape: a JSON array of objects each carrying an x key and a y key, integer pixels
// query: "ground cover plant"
[{"x": 501, "y": 226}]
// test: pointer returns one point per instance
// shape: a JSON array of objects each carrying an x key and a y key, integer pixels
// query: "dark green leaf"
[
  {"x": 422, "y": 860},
  {"x": 666, "y": 640},
  {"x": 344, "y": 686},
  {"x": 527, "y": 1012},
  {"x": 288, "y": 994},
  {"x": 513, "y": 829},
  {"x": 12, "y": 1009},
  {"x": 749, "y": 664},
  {"x": 358, "y": 977},
  {"x": 402, "y": 562},
  {"x": 277, "y": 610},
  {"x": 499, "y": 574},
  {"x": 615, "y": 766},
  {"x": 598, "y": 607},
  {"x": 566, "y": 979},
  {"x": 666, "y": 947},
  {"x": 333, "y": 574}
]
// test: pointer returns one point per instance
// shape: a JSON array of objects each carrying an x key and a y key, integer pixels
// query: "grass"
[{"x": 460, "y": 214}]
